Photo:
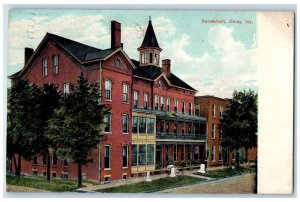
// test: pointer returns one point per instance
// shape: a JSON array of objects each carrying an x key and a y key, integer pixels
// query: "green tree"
[
  {"x": 75, "y": 128},
  {"x": 23, "y": 100},
  {"x": 49, "y": 100},
  {"x": 239, "y": 123}
]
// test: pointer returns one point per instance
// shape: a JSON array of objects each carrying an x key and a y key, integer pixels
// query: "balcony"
[
  {"x": 170, "y": 115},
  {"x": 172, "y": 136}
]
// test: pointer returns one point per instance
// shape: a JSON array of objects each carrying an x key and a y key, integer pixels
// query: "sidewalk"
[{"x": 91, "y": 188}]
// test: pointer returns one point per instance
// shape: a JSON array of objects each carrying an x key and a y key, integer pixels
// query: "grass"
[
  {"x": 227, "y": 172},
  {"x": 55, "y": 185},
  {"x": 155, "y": 185}
]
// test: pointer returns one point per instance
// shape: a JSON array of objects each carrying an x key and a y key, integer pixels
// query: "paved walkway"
[{"x": 91, "y": 188}]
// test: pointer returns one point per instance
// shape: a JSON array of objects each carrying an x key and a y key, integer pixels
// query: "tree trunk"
[
  {"x": 246, "y": 152},
  {"x": 237, "y": 158},
  {"x": 79, "y": 175},
  {"x": 48, "y": 165},
  {"x": 15, "y": 164},
  {"x": 18, "y": 168}
]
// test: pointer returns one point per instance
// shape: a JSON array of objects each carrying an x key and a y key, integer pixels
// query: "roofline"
[
  {"x": 211, "y": 97},
  {"x": 108, "y": 56},
  {"x": 140, "y": 48}
]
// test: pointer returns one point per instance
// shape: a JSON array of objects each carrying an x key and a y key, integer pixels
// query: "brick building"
[
  {"x": 212, "y": 108},
  {"x": 152, "y": 118}
]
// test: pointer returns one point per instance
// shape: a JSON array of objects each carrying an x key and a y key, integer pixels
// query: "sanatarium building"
[{"x": 152, "y": 120}]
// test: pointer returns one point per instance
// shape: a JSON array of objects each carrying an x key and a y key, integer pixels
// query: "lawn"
[
  {"x": 55, "y": 185},
  {"x": 227, "y": 172},
  {"x": 155, "y": 185}
]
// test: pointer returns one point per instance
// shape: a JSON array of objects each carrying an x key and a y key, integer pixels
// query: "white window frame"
[
  {"x": 162, "y": 103},
  {"x": 125, "y": 92},
  {"x": 214, "y": 110},
  {"x": 213, "y": 153},
  {"x": 109, "y": 155},
  {"x": 108, "y": 115},
  {"x": 146, "y": 100},
  {"x": 108, "y": 88},
  {"x": 45, "y": 66},
  {"x": 136, "y": 99},
  {"x": 168, "y": 104},
  {"x": 221, "y": 111},
  {"x": 66, "y": 88},
  {"x": 156, "y": 101},
  {"x": 127, "y": 124},
  {"x": 191, "y": 108},
  {"x": 144, "y": 58},
  {"x": 214, "y": 131},
  {"x": 176, "y": 105},
  {"x": 183, "y": 107},
  {"x": 127, "y": 152},
  {"x": 55, "y": 64}
]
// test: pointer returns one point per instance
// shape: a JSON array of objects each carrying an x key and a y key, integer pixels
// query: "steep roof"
[
  {"x": 153, "y": 72},
  {"x": 150, "y": 38}
]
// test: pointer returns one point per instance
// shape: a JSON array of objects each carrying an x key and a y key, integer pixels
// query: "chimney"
[
  {"x": 28, "y": 54},
  {"x": 166, "y": 67},
  {"x": 115, "y": 34}
]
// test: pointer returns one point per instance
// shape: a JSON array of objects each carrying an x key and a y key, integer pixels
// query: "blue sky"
[{"x": 214, "y": 58}]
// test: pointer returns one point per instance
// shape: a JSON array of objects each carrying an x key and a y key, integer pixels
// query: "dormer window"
[{"x": 144, "y": 58}]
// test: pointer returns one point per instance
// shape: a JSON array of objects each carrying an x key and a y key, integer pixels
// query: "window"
[
  {"x": 125, "y": 123},
  {"x": 162, "y": 101},
  {"x": 65, "y": 175},
  {"x": 197, "y": 152},
  {"x": 125, "y": 92},
  {"x": 189, "y": 128},
  {"x": 44, "y": 173},
  {"x": 55, "y": 64},
  {"x": 144, "y": 58},
  {"x": 167, "y": 152},
  {"x": 221, "y": 111},
  {"x": 175, "y": 105},
  {"x": 53, "y": 175},
  {"x": 190, "y": 152},
  {"x": 161, "y": 127},
  {"x": 151, "y": 57},
  {"x": 183, "y": 107},
  {"x": 44, "y": 160},
  {"x": 124, "y": 176},
  {"x": 54, "y": 158},
  {"x": 183, "y": 128},
  {"x": 135, "y": 124},
  {"x": 35, "y": 172},
  {"x": 221, "y": 132},
  {"x": 168, "y": 104},
  {"x": 214, "y": 110},
  {"x": 107, "y": 156},
  {"x": 190, "y": 108},
  {"x": 65, "y": 162},
  {"x": 197, "y": 108},
  {"x": 220, "y": 153},
  {"x": 168, "y": 127},
  {"x": 150, "y": 125},
  {"x": 125, "y": 156},
  {"x": 142, "y": 154},
  {"x": 175, "y": 153},
  {"x": 150, "y": 154},
  {"x": 107, "y": 121},
  {"x": 175, "y": 127},
  {"x": 156, "y": 102},
  {"x": 156, "y": 59},
  {"x": 146, "y": 100},
  {"x": 213, "y": 131},
  {"x": 134, "y": 155},
  {"x": 135, "y": 99},
  {"x": 213, "y": 153},
  {"x": 35, "y": 160},
  {"x": 106, "y": 179},
  {"x": 142, "y": 126},
  {"x": 108, "y": 89},
  {"x": 45, "y": 67},
  {"x": 66, "y": 88}
]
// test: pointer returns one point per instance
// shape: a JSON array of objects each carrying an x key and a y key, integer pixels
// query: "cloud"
[{"x": 229, "y": 66}]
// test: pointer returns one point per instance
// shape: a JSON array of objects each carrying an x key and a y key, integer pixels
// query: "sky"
[{"x": 214, "y": 58}]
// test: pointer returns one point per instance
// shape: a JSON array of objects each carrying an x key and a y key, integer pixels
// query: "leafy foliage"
[
  {"x": 75, "y": 127},
  {"x": 239, "y": 123}
]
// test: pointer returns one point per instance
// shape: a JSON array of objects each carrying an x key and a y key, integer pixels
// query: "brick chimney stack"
[
  {"x": 28, "y": 54},
  {"x": 115, "y": 34},
  {"x": 166, "y": 67}
]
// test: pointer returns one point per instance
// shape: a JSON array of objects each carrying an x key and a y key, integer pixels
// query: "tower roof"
[{"x": 150, "y": 38}]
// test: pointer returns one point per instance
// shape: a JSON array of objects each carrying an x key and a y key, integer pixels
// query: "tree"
[
  {"x": 75, "y": 127},
  {"x": 239, "y": 123},
  {"x": 21, "y": 120},
  {"x": 49, "y": 101}
]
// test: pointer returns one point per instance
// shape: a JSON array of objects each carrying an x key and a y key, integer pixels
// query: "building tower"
[{"x": 149, "y": 50}]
